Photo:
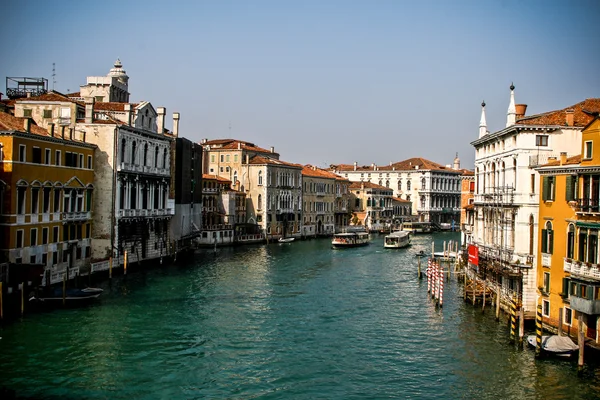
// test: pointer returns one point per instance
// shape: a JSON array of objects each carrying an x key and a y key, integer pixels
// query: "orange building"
[
  {"x": 569, "y": 278},
  {"x": 46, "y": 187}
]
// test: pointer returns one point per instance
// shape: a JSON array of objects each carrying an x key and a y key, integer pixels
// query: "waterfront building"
[
  {"x": 342, "y": 208},
  {"x": 187, "y": 221},
  {"x": 46, "y": 191},
  {"x": 134, "y": 202},
  {"x": 568, "y": 280},
  {"x": 433, "y": 189},
  {"x": 467, "y": 198},
  {"x": 373, "y": 205},
  {"x": 506, "y": 190},
  {"x": 401, "y": 210},
  {"x": 273, "y": 187},
  {"x": 318, "y": 200},
  {"x": 217, "y": 219}
]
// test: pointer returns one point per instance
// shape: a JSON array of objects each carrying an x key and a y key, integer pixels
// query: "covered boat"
[
  {"x": 397, "y": 240},
  {"x": 558, "y": 345},
  {"x": 350, "y": 239}
]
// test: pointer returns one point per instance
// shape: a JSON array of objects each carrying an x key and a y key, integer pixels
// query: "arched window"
[
  {"x": 235, "y": 177},
  {"x": 399, "y": 184},
  {"x": 571, "y": 241},
  {"x": 423, "y": 184},
  {"x": 123, "y": 142},
  {"x": 380, "y": 182},
  {"x": 407, "y": 185},
  {"x": 547, "y": 238},
  {"x": 145, "y": 154},
  {"x": 260, "y": 178},
  {"x": 164, "y": 159},
  {"x": 156, "y": 157},
  {"x": 422, "y": 202},
  {"x": 133, "y": 148},
  {"x": 387, "y": 183}
]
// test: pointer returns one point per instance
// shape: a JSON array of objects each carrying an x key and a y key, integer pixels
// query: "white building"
[{"x": 506, "y": 192}]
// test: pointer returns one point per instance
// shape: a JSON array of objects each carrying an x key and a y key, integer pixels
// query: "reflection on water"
[{"x": 295, "y": 320}]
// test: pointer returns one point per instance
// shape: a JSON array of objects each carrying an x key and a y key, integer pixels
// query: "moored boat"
[
  {"x": 285, "y": 240},
  {"x": 70, "y": 295},
  {"x": 350, "y": 239},
  {"x": 561, "y": 346},
  {"x": 417, "y": 227},
  {"x": 397, "y": 240}
]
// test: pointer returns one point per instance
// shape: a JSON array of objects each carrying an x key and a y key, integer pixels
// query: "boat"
[
  {"x": 561, "y": 346},
  {"x": 71, "y": 295},
  {"x": 286, "y": 240},
  {"x": 350, "y": 239},
  {"x": 448, "y": 254},
  {"x": 417, "y": 227},
  {"x": 397, "y": 240}
]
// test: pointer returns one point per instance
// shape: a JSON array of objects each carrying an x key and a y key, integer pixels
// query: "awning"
[{"x": 586, "y": 224}]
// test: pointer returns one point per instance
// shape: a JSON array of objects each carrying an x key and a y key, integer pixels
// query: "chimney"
[
  {"x": 89, "y": 110},
  {"x": 355, "y": 165},
  {"x": 247, "y": 159},
  {"x": 62, "y": 131},
  {"x": 71, "y": 133},
  {"x": 160, "y": 120},
  {"x": 563, "y": 157},
  {"x": 51, "y": 129},
  {"x": 552, "y": 158},
  {"x": 272, "y": 149},
  {"x": 176, "y": 124},
  {"x": 203, "y": 141},
  {"x": 84, "y": 136},
  {"x": 27, "y": 124},
  {"x": 520, "y": 110},
  {"x": 127, "y": 109},
  {"x": 239, "y": 145},
  {"x": 570, "y": 113}
]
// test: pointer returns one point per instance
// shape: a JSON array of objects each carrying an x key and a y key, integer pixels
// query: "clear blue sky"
[{"x": 322, "y": 81}]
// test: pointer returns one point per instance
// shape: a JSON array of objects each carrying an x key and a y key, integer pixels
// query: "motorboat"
[
  {"x": 397, "y": 240},
  {"x": 350, "y": 239},
  {"x": 417, "y": 227},
  {"x": 71, "y": 295},
  {"x": 286, "y": 240},
  {"x": 561, "y": 346}
]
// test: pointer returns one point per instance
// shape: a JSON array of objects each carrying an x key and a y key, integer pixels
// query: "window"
[
  {"x": 27, "y": 113},
  {"x": 22, "y": 150},
  {"x": 44, "y": 235},
  {"x": 260, "y": 178},
  {"x": 235, "y": 158},
  {"x": 55, "y": 237},
  {"x": 222, "y": 158},
  {"x": 588, "y": 149},
  {"x": 568, "y": 316},
  {"x": 21, "y": 190},
  {"x": 47, "y": 157},
  {"x": 89, "y": 164},
  {"x": 548, "y": 188},
  {"x": 47, "y": 113},
  {"x": 532, "y": 190},
  {"x": 19, "y": 243},
  {"x": 545, "y": 308},
  {"x": 35, "y": 198},
  {"x": 56, "y": 200},
  {"x": 547, "y": 238},
  {"x": 227, "y": 158},
  {"x": 259, "y": 205},
  {"x": 212, "y": 158},
  {"x": 46, "y": 200},
  {"x": 546, "y": 287},
  {"x": 80, "y": 161},
  {"x": 33, "y": 237},
  {"x": 408, "y": 183},
  {"x": 570, "y": 241},
  {"x": 541, "y": 140},
  {"x": 99, "y": 99},
  {"x": 57, "y": 158},
  {"x": 133, "y": 148}
]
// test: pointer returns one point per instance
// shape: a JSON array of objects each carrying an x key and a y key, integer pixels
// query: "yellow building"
[
  {"x": 46, "y": 186},
  {"x": 569, "y": 278}
]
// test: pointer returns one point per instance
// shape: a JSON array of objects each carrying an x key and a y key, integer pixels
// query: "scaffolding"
[{"x": 21, "y": 87}]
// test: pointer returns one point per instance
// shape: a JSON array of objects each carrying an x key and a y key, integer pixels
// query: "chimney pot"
[
  {"x": 89, "y": 109},
  {"x": 272, "y": 149},
  {"x": 570, "y": 117},
  {"x": 160, "y": 120},
  {"x": 176, "y": 124},
  {"x": 520, "y": 110},
  {"x": 563, "y": 157},
  {"x": 127, "y": 109}
]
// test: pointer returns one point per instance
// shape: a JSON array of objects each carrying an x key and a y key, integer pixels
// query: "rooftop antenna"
[{"x": 53, "y": 75}]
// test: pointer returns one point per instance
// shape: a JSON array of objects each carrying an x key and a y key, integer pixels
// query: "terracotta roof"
[
  {"x": 74, "y": 94},
  {"x": 400, "y": 200},
  {"x": 574, "y": 160},
  {"x": 112, "y": 106},
  {"x": 215, "y": 178},
  {"x": 467, "y": 172},
  {"x": 405, "y": 165},
  {"x": 259, "y": 160},
  {"x": 234, "y": 144},
  {"x": 368, "y": 185},
  {"x": 310, "y": 170},
  {"x": 583, "y": 113},
  {"x": 50, "y": 96},
  {"x": 8, "y": 102},
  {"x": 11, "y": 123}
]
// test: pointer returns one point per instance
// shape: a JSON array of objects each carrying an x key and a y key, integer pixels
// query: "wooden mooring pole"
[
  {"x": 560, "y": 321},
  {"x": 483, "y": 305},
  {"x": 538, "y": 331},
  {"x": 498, "y": 304},
  {"x": 580, "y": 341},
  {"x": 521, "y": 324},
  {"x": 513, "y": 319}
]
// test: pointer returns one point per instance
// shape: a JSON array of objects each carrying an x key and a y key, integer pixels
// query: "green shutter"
[
  {"x": 565, "y": 287},
  {"x": 550, "y": 241},
  {"x": 545, "y": 188},
  {"x": 569, "y": 192},
  {"x": 544, "y": 240},
  {"x": 589, "y": 292},
  {"x": 553, "y": 187}
]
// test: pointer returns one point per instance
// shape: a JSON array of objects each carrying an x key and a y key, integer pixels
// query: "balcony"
[
  {"x": 587, "y": 206},
  {"x": 143, "y": 169},
  {"x": 210, "y": 190},
  {"x": 583, "y": 270},
  {"x": 145, "y": 213},
  {"x": 76, "y": 216}
]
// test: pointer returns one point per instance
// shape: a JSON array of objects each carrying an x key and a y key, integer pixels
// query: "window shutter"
[
  {"x": 552, "y": 195},
  {"x": 565, "y": 287},
  {"x": 570, "y": 196},
  {"x": 589, "y": 293},
  {"x": 544, "y": 240},
  {"x": 550, "y": 241},
  {"x": 545, "y": 188}
]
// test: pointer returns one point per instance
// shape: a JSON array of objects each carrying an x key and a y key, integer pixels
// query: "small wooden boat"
[
  {"x": 561, "y": 346},
  {"x": 397, "y": 240},
  {"x": 286, "y": 240},
  {"x": 71, "y": 295}
]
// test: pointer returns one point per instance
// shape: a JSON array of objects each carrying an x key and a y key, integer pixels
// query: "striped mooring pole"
[
  {"x": 441, "y": 285},
  {"x": 538, "y": 331},
  {"x": 513, "y": 318},
  {"x": 429, "y": 275}
]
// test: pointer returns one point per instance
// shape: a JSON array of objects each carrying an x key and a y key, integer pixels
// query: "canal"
[{"x": 297, "y": 320}]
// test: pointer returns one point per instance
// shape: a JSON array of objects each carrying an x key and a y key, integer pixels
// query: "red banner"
[{"x": 473, "y": 254}]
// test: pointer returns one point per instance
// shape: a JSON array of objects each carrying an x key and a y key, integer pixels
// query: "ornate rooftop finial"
[
  {"x": 483, "y": 103},
  {"x": 118, "y": 63},
  {"x": 512, "y": 86},
  {"x": 511, "y": 114},
  {"x": 482, "y": 121}
]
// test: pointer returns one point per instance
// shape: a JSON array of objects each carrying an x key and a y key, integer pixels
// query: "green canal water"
[{"x": 281, "y": 321}]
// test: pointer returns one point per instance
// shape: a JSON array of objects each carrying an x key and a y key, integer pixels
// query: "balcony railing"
[
  {"x": 76, "y": 216},
  {"x": 132, "y": 213},
  {"x": 583, "y": 270},
  {"x": 588, "y": 205}
]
